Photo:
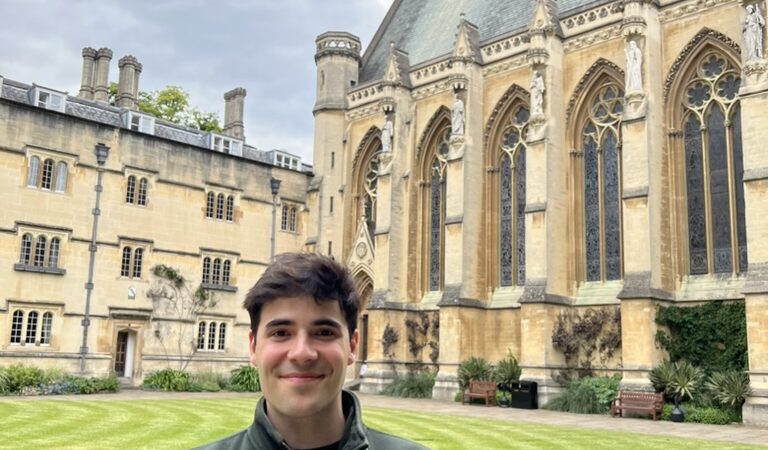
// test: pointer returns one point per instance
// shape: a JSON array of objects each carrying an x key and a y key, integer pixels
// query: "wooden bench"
[
  {"x": 480, "y": 389},
  {"x": 637, "y": 401}
]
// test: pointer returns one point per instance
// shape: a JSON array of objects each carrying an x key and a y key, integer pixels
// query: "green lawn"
[{"x": 168, "y": 424}]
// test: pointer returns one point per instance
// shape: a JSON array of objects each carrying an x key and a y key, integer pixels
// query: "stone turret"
[
  {"x": 86, "y": 81},
  {"x": 234, "y": 103},
  {"x": 337, "y": 57},
  {"x": 128, "y": 85},
  {"x": 101, "y": 72}
]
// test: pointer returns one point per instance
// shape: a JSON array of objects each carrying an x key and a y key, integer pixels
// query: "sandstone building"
[
  {"x": 199, "y": 202},
  {"x": 485, "y": 166}
]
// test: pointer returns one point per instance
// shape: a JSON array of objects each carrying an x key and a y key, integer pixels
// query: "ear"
[
  {"x": 352, "y": 347},
  {"x": 252, "y": 347}
]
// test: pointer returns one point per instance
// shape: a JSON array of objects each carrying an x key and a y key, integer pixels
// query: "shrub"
[
  {"x": 107, "y": 384},
  {"x": 710, "y": 415},
  {"x": 589, "y": 395},
  {"x": 4, "y": 389},
  {"x": 167, "y": 380},
  {"x": 686, "y": 380},
  {"x": 730, "y": 388},
  {"x": 412, "y": 385},
  {"x": 245, "y": 379},
  {"x": 83, "y": 385},
  {"x": 507, "y": 371},
  {"x": 209, "y": 381},
  {"x": 20, "y": 377},
  {"x": 474, "y": 368},
  {"x": 661, "y": 376}
]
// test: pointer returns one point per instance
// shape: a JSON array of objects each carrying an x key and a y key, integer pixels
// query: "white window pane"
[
  {"x": 34, "y": 168},
  {"x": 61, "y": 176}
]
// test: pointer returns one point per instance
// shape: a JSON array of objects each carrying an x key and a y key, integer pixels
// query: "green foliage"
[
  {"x": 589, "y": 395},
  {"x": 661, "y": 376},
  {"x": 168, "y": 380},
  {"x": 4, "y": 384},
  {"x": 210, "y": 381},
  {"x": 389, "y": 338},
  {"x": 710, "y": 415},
  {"x": 20, "y": 377},
  {"x": 712, "y": 336},
  {"x": 686, "y": 380},
  {"x": 730, "y": 388},
  {"x": 167, "y": 104},
  {"x": 474, "y": 368},
  {"x": 245, "y": 379},
  {"x": 412, "y": 385},
  {"x": 107, "y": 384},
  {"x": 507, "y": 371}
]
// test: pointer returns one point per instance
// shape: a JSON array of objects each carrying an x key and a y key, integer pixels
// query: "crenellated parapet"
[{"x": 337, "y": 43}]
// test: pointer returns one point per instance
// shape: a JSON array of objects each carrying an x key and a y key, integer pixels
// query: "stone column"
[
  {"x": 101, "y": 82},
  {"x": 128, "y": 84},
  {"x": 647, "y": 270},
  {"x": 754, "y": 103},
  {"x": 86, "y": 81},
  {"x": 234, "y": 101}
]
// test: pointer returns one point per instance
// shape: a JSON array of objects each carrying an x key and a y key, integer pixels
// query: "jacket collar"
[{"x": 263, "y": 435}]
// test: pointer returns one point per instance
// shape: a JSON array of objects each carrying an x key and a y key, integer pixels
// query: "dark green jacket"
[{"x": 261, "y": 434}]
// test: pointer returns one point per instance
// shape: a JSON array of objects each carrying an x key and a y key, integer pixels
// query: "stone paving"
[{"x": 726, "y": 433}]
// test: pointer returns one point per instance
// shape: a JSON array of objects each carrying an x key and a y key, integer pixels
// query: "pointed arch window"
[
  {"x": 601, "y": 138},
  {"x": 512, "y": 200},
  {"x": 714, "y": 171},
  {"x": 370, "y": 192},
  {"x": 436, "y": 210}
]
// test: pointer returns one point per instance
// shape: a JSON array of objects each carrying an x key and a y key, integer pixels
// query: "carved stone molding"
[
  {"x": 362, "y": 112},
  {"x": 433, "y": 89},
  {"x": 514, "y": 92},
  {"x": 441, "y": 113},
  {"x": 600, "y": 66},
  {"x": 506, "y": 65},
  {"x": 693, "y": 46},
  {"x": 688, "y": 8},
  {"x": 370, "y": 135},
  {"x": 592, "y": 38}
]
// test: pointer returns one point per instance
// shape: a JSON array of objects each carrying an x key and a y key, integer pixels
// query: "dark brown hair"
[{"x": 297, "y": 274}]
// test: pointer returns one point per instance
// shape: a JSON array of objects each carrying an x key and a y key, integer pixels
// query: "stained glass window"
[
  {"x": 512, "y": 201},
  {"x": 714, "y": 169},
  {"x": 602, "y": 189},
  {"x": 435, "y": 226}
]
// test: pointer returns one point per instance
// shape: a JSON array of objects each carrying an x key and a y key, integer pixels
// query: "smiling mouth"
[{"x": 301, "y": 378}]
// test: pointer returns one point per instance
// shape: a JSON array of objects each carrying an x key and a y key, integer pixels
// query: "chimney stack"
[
  {"x": 86, "y": 83},
  {"x": 101, "y": 82},
  {"x": 128, "y": 84},
  {"x": 233, "y": 113}
]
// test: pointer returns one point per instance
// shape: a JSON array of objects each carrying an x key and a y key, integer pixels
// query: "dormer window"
[
  {"x": 287, "y": 161},
  {"x": 225, "y": 144},
  {"x": 48, "y": 99},
  {"x": 139, "y": 122}
]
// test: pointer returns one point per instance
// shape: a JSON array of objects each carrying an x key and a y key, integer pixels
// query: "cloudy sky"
[{"x": 206, "y": 47}]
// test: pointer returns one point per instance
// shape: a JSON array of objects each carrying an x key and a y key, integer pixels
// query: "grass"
[{"x": 171, "y": 424}]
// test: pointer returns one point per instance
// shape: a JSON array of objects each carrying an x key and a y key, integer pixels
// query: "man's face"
[{"x": 301, "y": 349}]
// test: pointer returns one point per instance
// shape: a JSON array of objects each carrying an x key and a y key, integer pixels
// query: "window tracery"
[
  {"x": 512, "y": 200},
  {"x": 437, "y": 184},
  {"x": 602, "y": 183},
  {"x": 712, "y": 152}
]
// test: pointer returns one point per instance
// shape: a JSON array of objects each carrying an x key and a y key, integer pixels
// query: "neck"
[{"x": 322, "y": 428}]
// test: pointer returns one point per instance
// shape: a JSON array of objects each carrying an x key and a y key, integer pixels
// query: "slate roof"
[
  {"x": 110, "y": 115},
  {"x": 426, "y": 29}
]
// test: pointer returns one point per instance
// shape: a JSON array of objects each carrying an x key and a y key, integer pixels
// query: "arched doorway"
[{"x": 364, "y": 289}]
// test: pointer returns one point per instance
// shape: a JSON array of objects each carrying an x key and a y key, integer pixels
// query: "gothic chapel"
[{"x": 486, "y": 166}]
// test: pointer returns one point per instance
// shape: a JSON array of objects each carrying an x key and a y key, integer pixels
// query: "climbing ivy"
[
  {"x": 712, "y": 336},
  {"x": 581, "y": 337}
]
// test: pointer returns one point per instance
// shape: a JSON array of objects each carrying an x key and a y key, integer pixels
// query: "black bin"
[{"x": 525, "y": 395}]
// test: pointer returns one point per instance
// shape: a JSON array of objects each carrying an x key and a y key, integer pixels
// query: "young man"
[{"x": 303, "y": 317}]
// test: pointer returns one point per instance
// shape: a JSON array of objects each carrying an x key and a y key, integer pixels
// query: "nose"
[{"x": 302, "y": 350}]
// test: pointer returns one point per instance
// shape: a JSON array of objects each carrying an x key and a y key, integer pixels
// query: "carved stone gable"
[
  {"x": 467, "y": 44},
  {"x": 545, "y": 18},
  {"x": 362, "y": 249},
  {"x": 398, "y": 67}
]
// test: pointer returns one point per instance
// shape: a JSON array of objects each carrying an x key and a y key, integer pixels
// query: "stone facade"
[
  {"x": 198, "y": 202},
  {"x": 606, "y": 199}
]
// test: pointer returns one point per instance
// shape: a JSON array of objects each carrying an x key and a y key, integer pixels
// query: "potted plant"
[{"x": 506, "y": 374}]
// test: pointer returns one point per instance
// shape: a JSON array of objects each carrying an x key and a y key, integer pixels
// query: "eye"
[
  {"x": 326, "y": 333},
  {"x": 279, "y": 333}
]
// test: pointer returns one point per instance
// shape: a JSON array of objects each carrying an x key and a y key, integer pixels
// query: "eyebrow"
[{"x": 287, "y": 322}]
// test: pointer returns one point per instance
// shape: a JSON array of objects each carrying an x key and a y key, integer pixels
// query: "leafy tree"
[
  {"x": 174, "y": 299},
  {"x": 172, "y": 104}
]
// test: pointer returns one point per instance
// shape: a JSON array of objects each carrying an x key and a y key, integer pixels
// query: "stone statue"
[
  {"x": 457, "y": 116},
  {"x": 537, "y": 94},
  {"x": 634, "y": 77},
  {"x": 386, "y": 136},
  {"x": 753, "y": 33}
]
